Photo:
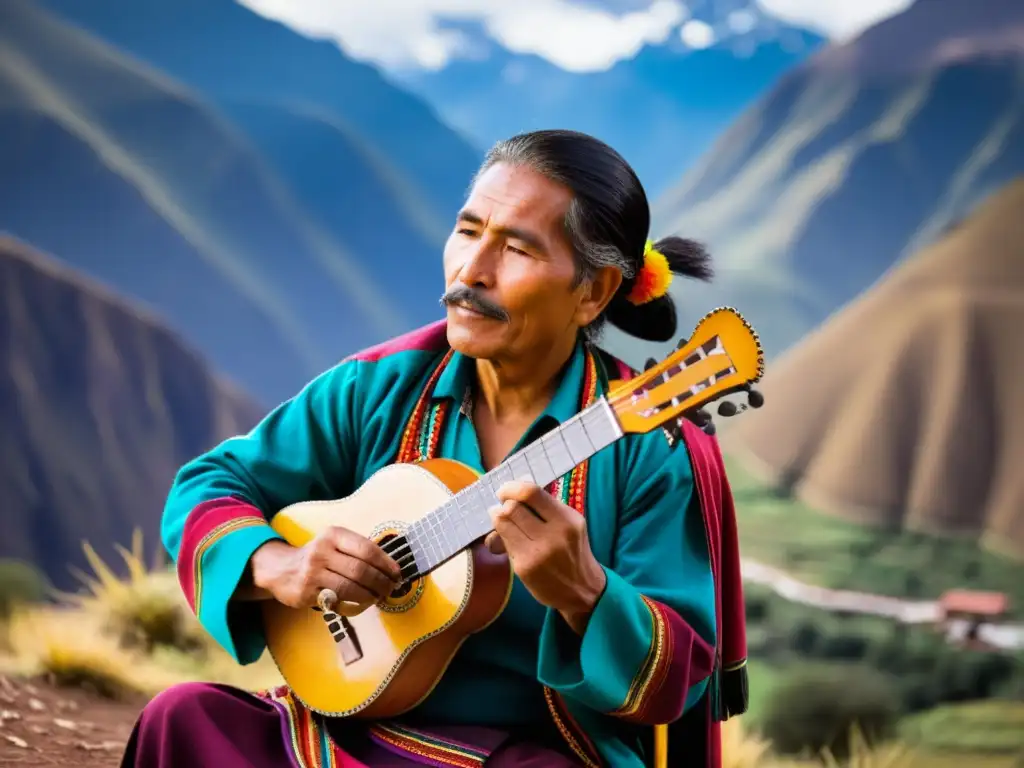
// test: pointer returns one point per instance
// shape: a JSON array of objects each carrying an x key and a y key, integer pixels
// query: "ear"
[{"x": 596, "y": 294}]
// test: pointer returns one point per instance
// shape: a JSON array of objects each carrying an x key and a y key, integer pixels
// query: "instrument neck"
[{"x": 451, "y": 528}]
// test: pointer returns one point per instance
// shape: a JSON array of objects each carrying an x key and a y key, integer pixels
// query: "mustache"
[{"x": 465, "y": 296}]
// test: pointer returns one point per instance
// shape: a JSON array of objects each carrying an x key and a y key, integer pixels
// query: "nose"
[{"x": 479, "y": 268}]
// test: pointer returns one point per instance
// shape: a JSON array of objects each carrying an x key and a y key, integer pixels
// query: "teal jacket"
[{"x": 647, "y": 652}]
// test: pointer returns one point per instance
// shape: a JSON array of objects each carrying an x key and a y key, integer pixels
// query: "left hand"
[{"x": 550, "y": 552}]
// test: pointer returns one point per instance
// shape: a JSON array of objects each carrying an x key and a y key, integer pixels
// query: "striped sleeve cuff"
[
  {"x": 638, "y": 659},
  {"x": 218, "y": 539}
]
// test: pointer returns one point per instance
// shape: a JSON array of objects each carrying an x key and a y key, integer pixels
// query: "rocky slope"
[
  {"x": 277, "y": 210},
  {"x": 905, "y": 409},
  {"x": 858, "y": 157},
  {"x": 100, "y": 404}
]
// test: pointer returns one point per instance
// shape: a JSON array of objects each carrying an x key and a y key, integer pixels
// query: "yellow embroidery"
[
  {"x": 649, "y": 670},
  {"x": 207, "y": 542}
]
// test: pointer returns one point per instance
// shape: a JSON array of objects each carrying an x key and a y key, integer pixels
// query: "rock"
[
  {"x": 36, "y": 705},
  {"x": 38, "y": 730},
  {"x": 104, "y": 746},
  {"x": 66, "y": 724},
  {"x": 9, "y": 714},
  {"x": 18, "y": 742}
]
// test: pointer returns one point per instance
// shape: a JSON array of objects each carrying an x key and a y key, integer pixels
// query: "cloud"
[
  {"x": 576, "y": 35},
  {"x": 697, "y": 34},
  {"x": 413, "y": 33},
  {"x": 838, "y": 20}
]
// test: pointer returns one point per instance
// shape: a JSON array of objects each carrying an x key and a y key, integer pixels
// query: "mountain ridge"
[
  {"x": 838, "y": 173},
  {"x": 901, "y": 409},
  {"x": 204, "y": 217},
  {"x": 102, "y": 405}
]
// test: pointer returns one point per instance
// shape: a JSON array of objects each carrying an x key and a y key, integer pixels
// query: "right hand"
[{"x": 354, "y": 567}]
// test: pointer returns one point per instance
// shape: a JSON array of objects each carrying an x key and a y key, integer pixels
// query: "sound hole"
[{"x": 398, "y": 548}]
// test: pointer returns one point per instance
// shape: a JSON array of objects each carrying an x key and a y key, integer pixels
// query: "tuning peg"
[
  {"x": 755, "y": 398},
  {"x": 651, "y": 362},
  {"x": 682, "y": 343},
  {"x": 709, "y": 428},
  {"x": 727, "y": 408},
  {"x": 701, "y": 417}
]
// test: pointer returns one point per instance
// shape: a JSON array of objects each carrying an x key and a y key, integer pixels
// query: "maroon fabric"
[
  {"x": 202, "y": 725},
  {"x": 687, "y": 660},
  {"x": 723, "y": 544},
  {"x": 723, "y": 536}
]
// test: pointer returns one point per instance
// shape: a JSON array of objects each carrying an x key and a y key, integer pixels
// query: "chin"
[{"x": 473, "y": 341}]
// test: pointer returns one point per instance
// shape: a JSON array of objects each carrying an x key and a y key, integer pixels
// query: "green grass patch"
[
  {"x": 829, "y": 552},
  {"x": 987, "y": 727}
]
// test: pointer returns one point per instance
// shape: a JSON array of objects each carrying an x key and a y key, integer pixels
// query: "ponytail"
[{"x": 655, "y": 319}]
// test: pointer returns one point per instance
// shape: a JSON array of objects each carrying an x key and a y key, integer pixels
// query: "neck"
[{"x": 515, "y": 389}]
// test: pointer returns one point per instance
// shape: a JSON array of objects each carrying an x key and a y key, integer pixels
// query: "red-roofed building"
[
  {"x": 963, "y": 611},
  {"x": 967, "y": 604}
]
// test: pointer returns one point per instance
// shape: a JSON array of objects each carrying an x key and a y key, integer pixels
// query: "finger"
[
  {"x": 511, "y": 534},
  {"x": 362, "y": 548},
  {"x": 525, "y": 519},
  {"x": 361, "y": 573},
  {"x": 495, "y": 544},
  {"x": 530, "y": 495},
  {"x": 350, "y": 592}
]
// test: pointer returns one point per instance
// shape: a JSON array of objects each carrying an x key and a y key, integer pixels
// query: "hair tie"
[{"x": 654, "y": 278}]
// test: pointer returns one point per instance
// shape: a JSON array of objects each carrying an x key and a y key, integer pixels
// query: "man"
[{"x": 615, "y": 616}]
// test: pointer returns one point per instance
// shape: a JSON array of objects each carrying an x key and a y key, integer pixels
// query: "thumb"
[{"x": 494, "y": 543}]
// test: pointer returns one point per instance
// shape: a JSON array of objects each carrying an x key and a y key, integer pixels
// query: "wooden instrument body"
[{"x": 403, "y": 644}]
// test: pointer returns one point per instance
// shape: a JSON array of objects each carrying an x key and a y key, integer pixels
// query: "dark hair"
[{"x": 607, "y": 223}]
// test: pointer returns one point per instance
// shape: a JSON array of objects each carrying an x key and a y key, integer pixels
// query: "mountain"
[
  {"x": 259, "y": 203},
  {"x": 857, "y": 157},
  {"x": 101, "y": 404},
  {"x": 904, "y": 409},
  {"x": 661, "y": 109}
]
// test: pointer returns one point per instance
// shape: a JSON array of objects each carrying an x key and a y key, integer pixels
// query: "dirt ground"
[{"x": 41, "y": 725}]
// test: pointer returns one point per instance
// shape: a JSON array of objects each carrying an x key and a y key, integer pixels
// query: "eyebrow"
[{"x": 514, "y": 233}]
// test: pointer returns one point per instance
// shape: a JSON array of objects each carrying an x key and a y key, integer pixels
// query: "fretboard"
[{"x": 465, "y": 518}]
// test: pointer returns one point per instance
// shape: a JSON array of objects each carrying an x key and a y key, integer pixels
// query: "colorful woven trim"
[
  {"x": 429, "y": 750},
  {"x": 652, "y": 672},
  {"x": 571, "y": 731},
  {"x": 310, "y": 743},
  {"x": 420, "y": 441},
  {"x": 206, "y": 525},
  {"x": 423, "y": 430},
  {"x": 422, "y": 434}
]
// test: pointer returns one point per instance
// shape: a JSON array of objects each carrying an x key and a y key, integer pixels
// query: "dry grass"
[{"x": 123, "y": 636}]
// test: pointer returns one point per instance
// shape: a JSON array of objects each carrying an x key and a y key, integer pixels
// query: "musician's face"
[{"x": 510, "y": 250}]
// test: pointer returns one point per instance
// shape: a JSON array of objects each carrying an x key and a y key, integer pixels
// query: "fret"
[
  {"x": 479, "y": 519},
  {"x": 601, "y": 425},
  {"x": 543, "y": 472},
  {"x": 466, "y": 518},
  {"x": 520, "y": 467},
  {"x": 576, "y": 440},
  {"x": 498, "y": 476},
  {"x": 557, "y": 452}
]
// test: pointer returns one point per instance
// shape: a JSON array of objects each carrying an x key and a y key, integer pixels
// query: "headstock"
[{"x": 722, "y": 356}]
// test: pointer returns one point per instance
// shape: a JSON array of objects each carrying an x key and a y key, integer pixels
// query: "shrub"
[
  {"x": 757, "y": 608},
  {"x": 805, "y": 638},
  {"x": 820, "y": 707},
  {"x": 20, "y": 584},
  {"x": 844, "y": 647},
  {"x": 144, "y": 610}
]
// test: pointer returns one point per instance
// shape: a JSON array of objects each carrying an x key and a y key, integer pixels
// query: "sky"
[{"x": 576, "y": 35}]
